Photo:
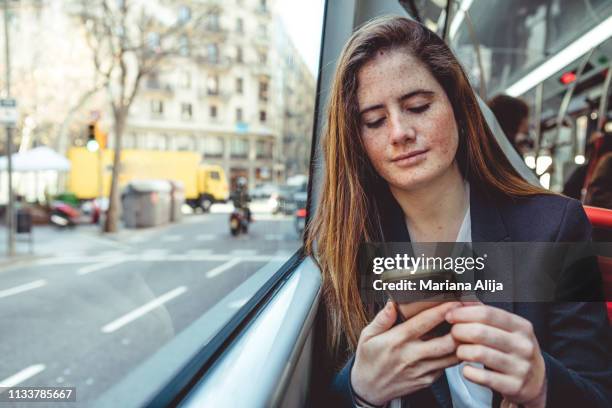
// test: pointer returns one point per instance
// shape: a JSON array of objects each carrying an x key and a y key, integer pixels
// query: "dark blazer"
[{"x": 575, "y": 337}]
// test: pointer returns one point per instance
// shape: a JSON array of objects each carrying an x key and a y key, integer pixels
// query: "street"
[{"x": 87, "y": 308}]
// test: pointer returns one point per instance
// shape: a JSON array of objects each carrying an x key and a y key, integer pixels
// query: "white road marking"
[
  {"x": 22, "y": 376},
  {"x": 171, "y": 238},
  {"x": 163, "y": 257},
  {"x": 205, "y": 237},
  {"x": 154, "y": 254},
  {"x": 112, "y": 254},
  {"x": 198, "y": 252},
  {"x": 222, "y": 268},
  {"x": 244, "y": 252},
  {"x": 97, "y": 266},
  {"x": 22, "y": 288},
  {"x": 142, "y": 310}
]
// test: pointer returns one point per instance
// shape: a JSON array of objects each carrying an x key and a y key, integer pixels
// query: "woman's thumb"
[{"x": 382, "y": 322}]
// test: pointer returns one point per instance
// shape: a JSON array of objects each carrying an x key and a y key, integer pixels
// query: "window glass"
[{"x": 117, "y": 270}]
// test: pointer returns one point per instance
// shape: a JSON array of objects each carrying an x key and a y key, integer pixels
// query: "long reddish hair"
[{"x": 347, "y": 213}]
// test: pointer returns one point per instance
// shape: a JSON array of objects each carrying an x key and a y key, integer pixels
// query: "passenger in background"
[
  {"x": 599, "y": 189},
  {"x": 513, "y": 117}
]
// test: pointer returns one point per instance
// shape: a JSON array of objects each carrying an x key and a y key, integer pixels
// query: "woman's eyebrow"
[{"x": 402, "y": 98}]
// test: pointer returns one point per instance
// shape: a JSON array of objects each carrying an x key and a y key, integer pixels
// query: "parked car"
[
  {"x": 283, "y": 201},
  {"x": 263, "y": 191},
  {"x": 300, "y": 213}
]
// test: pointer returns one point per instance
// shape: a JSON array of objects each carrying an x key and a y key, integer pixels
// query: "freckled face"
[{"x": 407, "y": 122}]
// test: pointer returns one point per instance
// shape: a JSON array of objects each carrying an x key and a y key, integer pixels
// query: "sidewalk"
[{"x": 49, "y": 241}]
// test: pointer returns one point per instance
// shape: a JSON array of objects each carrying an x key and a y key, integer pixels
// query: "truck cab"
[{"x": 212, "y": 186}]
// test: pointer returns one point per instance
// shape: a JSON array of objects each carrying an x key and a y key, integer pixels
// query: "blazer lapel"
[{"x": 488, "y": 226}]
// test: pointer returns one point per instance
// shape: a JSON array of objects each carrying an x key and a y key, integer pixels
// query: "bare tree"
[{"x": 129, "y": 39}]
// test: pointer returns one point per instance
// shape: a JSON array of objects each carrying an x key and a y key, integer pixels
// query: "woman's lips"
[{"x": 411, "y": 158}]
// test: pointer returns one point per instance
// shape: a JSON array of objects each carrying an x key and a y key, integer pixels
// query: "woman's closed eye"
[
  {"x": 376, "y": 123},
  {"x": 419, "y": 109}
]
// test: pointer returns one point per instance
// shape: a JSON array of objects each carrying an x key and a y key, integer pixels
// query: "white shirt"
[{"x": 464, "y": 393}]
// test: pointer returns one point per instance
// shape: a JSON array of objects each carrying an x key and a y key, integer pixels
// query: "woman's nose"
[{"x": 401, "y": 132}]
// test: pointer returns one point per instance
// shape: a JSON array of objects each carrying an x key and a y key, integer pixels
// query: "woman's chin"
[{"x": 415, "y": 182}]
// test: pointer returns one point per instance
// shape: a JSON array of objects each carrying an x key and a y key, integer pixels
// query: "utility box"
[{"x": 146, "y": 203}]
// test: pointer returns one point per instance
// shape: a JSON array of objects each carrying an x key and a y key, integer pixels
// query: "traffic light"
[
  {"x": 92, "y": 143},
  {"x": 96, "y": 138}
]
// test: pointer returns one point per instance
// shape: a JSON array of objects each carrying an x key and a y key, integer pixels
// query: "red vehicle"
[{"x": 65, "y": 215}]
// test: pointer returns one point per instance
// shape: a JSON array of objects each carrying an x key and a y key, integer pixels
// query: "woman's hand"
[
  {"x": 392, "y": 361},
  {"x": 506, "y": 344}
]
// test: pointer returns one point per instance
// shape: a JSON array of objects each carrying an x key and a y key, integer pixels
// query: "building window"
[
  {"x": 213, "y": 111},
  {"x": 213, "y": 53},
  {"x": 239, "y": 58},
  {"x": 263, "y": 57},
  {"x": 186, "y": 111},
  {"x": 153, "y": 42},
  {"x": 213, "y": 22},
  {"x": 262, "y": 30},
  {"x": 263, "y": 149},
  {"x": 263, "y": 91},
  {"x": 185, "y": 79},
  {"x": 239, "y": 86},
  {"x": 184, "y": 46},
  {"x": 239, "y": 115},
  {"x": 184, "y": 14},
  {"x": 263, "y": 116},
  {"x": 213, "y": 85},
  {"x": 157, "y": 108},
  {"x": 239, "y": 26},
  {"x": 239, "y": 148},
  {"x": 213, "y": 147}
]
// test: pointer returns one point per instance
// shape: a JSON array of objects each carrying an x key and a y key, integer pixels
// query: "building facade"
[{"x": 242, "y": 97}]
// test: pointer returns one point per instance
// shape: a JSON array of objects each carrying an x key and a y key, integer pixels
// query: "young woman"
[{"x": 409, "y": 157}]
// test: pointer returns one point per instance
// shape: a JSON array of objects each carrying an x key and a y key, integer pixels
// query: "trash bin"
[
  {"x": 24, "y": 221},
  {"x": 146, "y": 203},
  {"x": 176, "y": 201}
]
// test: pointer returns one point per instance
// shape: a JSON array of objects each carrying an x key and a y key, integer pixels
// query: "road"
[{"x": 91, "y": 308}]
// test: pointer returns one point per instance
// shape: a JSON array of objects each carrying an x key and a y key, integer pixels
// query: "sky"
[{"x": 303, "y": 19}]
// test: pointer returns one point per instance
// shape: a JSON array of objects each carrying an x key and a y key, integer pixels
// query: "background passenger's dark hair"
[{"x": 509, "y": 112}]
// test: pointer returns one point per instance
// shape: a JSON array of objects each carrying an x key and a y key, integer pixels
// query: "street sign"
[{"x": 8, "y": 112}]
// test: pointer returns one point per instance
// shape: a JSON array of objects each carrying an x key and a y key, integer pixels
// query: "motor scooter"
[
  {"x": 239, "y": 221},
  {"x": 64, "y": 215}
]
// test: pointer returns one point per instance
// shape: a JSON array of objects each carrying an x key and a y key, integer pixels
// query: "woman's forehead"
[{"x": 392, "y": 72}]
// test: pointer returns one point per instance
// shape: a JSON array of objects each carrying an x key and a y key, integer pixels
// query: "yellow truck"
[{"x": 204, "y": 184}]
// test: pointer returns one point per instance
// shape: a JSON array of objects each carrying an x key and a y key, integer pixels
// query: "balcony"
[
  {"x": 159, "y": 88},
  {"x": 205, "y": 94},
  {"x": 218, "y": 64}
]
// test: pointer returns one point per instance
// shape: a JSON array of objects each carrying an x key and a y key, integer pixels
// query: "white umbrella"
[{"x": 38, "y": 159}]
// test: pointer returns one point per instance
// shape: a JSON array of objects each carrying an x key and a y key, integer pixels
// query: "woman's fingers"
[
  {"x": 491, "y": 358},
  {"x": 489, "y": 315},
  {"x": 429, "y": 366},
  {"x": 502, "y": 383},
  {"x": 477, "y": 333},
  {"x": 424, "y": 321},
  {"x": 382, "y": 322},
  {"x": 436, "y": 347}
]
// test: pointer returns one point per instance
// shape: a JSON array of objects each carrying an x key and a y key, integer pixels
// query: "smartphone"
[{"x": 411, "y": 302}]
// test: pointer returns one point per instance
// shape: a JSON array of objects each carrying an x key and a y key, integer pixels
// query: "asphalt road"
[{"x": 91, "y": 308}]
